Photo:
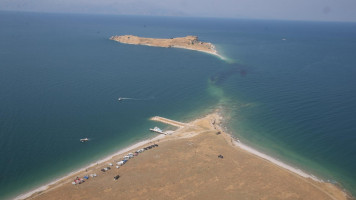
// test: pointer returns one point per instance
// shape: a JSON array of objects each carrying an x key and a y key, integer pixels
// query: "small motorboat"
[
  {"x": 84, "y": 140},
  {"x": 119, "y": 99},
  {"x": 158, "y": 130}
]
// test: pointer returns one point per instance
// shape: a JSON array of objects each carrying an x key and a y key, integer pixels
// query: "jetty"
[{"x": 169, "y": 121}]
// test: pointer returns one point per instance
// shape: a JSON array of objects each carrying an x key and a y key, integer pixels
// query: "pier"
[{"x": 169, "y": 121}]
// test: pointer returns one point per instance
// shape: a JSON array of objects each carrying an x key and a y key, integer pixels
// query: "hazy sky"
[{"x": 325, "y": 10}]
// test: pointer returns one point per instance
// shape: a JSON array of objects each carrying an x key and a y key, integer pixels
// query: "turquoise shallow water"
[{"x": 60, "y": 78}]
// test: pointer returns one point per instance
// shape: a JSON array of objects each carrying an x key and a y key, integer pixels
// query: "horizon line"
[{"x": 179, "y": 16}]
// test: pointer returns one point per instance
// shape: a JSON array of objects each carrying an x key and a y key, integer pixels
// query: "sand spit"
[
  {"x": 197, "y": 161},
  {"x": 188, "y": 42}
]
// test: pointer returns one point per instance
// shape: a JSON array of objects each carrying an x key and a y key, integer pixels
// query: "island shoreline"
[{"x": 188, "y": 42}]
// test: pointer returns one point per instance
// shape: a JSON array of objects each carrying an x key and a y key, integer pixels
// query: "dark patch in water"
[{"x": 221, "y": 77}]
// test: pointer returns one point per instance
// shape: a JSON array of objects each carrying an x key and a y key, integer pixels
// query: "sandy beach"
[{"x": 196, "y": 161}]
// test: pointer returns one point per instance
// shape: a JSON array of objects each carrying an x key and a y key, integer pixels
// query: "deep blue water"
[{"x": 60, "y": 78}]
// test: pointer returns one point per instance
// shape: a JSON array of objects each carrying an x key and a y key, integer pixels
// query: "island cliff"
[{"x": 188, "y": 42}]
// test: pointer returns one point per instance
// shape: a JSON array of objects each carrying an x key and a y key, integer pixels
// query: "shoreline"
[
  {"x": 105, "y": 159},
  {"x": 188, "y": 42},
  {"x": 236, "y": 142},
  {"x": 208, "y": 52},
  {"x": 229, "y": 137},
  {"x": 182, "y": 47},
  {"x": 277, "y": 162}
]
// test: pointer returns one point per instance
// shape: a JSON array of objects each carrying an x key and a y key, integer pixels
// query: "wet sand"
[{"x": 186, "y": 165}]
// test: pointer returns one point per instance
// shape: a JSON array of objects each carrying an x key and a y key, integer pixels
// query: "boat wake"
[{"x": 133, "y": 99}]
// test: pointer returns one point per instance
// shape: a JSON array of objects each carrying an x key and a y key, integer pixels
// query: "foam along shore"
[
  {"x": 198, "y": 160},
  {"x": 188, "y": 42}
]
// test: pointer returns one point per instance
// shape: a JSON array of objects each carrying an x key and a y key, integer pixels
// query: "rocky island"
[{"x": 188, "y": 42}]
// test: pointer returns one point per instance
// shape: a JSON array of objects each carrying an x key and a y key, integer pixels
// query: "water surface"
[{"x": 60, "y": 78}]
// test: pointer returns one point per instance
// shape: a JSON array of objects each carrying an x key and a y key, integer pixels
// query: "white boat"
[
  {"x": 157, "y": 130},
  {"x": 119, "y": 99},
  {"x": 84, "y": 140}
]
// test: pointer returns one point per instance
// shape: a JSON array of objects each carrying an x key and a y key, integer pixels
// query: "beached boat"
[
  {"x": 84, "y": 140},
  {"x": 157, "y": 130}
]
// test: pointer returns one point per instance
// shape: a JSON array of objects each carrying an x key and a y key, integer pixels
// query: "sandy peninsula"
[
  {"x": 196, "y": 161},
  {"x": 188, "y": 42}
]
